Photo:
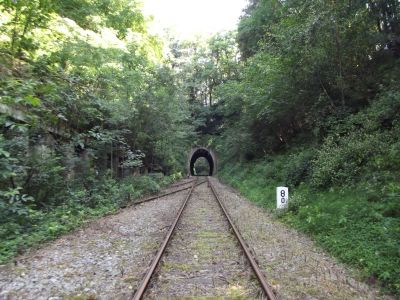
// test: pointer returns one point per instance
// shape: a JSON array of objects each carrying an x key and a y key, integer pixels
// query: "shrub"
[
  {"x": 341, "y": 160},
  {"x": 298, "y": 167}
]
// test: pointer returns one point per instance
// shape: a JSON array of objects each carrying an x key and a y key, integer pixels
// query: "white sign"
[{"x": 282, "y": 197}]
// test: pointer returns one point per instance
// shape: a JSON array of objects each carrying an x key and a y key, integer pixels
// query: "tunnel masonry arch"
[{"x": 208, "y": 154}]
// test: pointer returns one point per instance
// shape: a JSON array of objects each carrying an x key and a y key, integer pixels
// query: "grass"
[
  {"x": 168, "y": 266},
  {"x": 361, "y": 230}
]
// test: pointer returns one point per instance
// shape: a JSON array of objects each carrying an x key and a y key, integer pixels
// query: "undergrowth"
[{"x": 21, "y": 231}]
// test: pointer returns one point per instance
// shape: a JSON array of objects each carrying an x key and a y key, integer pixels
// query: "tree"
[
  {"x": 24, "y": 16},
  {"x": 122, "y": 15}
]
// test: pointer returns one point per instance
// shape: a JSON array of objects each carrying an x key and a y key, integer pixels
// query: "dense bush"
[
  {"x": 363, "y": 147},
  {"x": 343, "y": 160}
]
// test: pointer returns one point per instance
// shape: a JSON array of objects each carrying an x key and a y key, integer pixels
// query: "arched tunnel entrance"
[{"x": 208, "y": 155}]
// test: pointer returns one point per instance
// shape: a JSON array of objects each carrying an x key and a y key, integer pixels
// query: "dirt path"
[
  {"x": 105, "y": 260},
  {"x": 203, "y": 258},
  {"x": 292, "y": 264}
]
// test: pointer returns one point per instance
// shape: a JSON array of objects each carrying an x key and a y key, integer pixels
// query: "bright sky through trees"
[{"x": 187, "y": 18}]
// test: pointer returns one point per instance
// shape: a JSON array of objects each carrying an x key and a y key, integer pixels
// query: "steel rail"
[
  {"x": 166, "y": 194},
  {"x": 263, "y": 282},
  {"x": 146, "y": 280},
  {"x": 180, "y": 184}
]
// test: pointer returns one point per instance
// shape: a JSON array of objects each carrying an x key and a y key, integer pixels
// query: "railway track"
[
  {"x": 264, "y": 287},
  {"x": 182, "y": 183},
  {"x": 168, "y": 193}
]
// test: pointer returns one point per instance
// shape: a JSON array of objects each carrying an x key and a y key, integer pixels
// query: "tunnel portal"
[{"x": 196, "y": 153}]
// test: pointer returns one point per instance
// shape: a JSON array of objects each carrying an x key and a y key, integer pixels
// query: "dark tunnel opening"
[{"x": 201, "y": 153}]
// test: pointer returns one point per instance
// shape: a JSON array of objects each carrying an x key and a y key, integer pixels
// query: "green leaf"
[
  {"x": 32, "y": 100},
  {"x": 4, "y": 153}
]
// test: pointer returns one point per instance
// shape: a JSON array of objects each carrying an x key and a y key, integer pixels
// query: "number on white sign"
[{"x": 282, "y": 197}]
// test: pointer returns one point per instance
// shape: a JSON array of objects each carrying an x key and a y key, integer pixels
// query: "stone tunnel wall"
[{"x": 209, "y": 150}]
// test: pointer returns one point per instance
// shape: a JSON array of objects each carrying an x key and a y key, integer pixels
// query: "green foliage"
[
  {"x": 344, "y": 190},
  {"x": 362, "y": 147},
  {"x": 13, "y": 203},
  {"x": 340, "y": 161},
  {"x": 44, "y": 179},
  {"x": 25, "y": 227},
  {"x": 86, "y": 101},
  {"x": 108, "y": 90},
  {"x": 145, "y": 183},
  {"x": 122, "y": 15},
  {"x": 203, "y": 67},
  {"x": 24, "y": 16},
  {"x": 201, "y": 167},
  {"x": 316, "y": 107},
  {"x": 6, "y": 161},
  {"x": 253, "y": 26},
  {"x": 307, "y": 65}
]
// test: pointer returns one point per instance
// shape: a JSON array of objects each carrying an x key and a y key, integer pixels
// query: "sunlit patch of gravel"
[
  {"x": 104, "y": 260},
  {"x": 203, "y": 258},
  {"x": 292, "y": 264}
]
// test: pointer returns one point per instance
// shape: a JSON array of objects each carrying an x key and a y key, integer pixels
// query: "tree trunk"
[
  {"x": 339, "y": 56},
  {"x": 14, "y": 33}
]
